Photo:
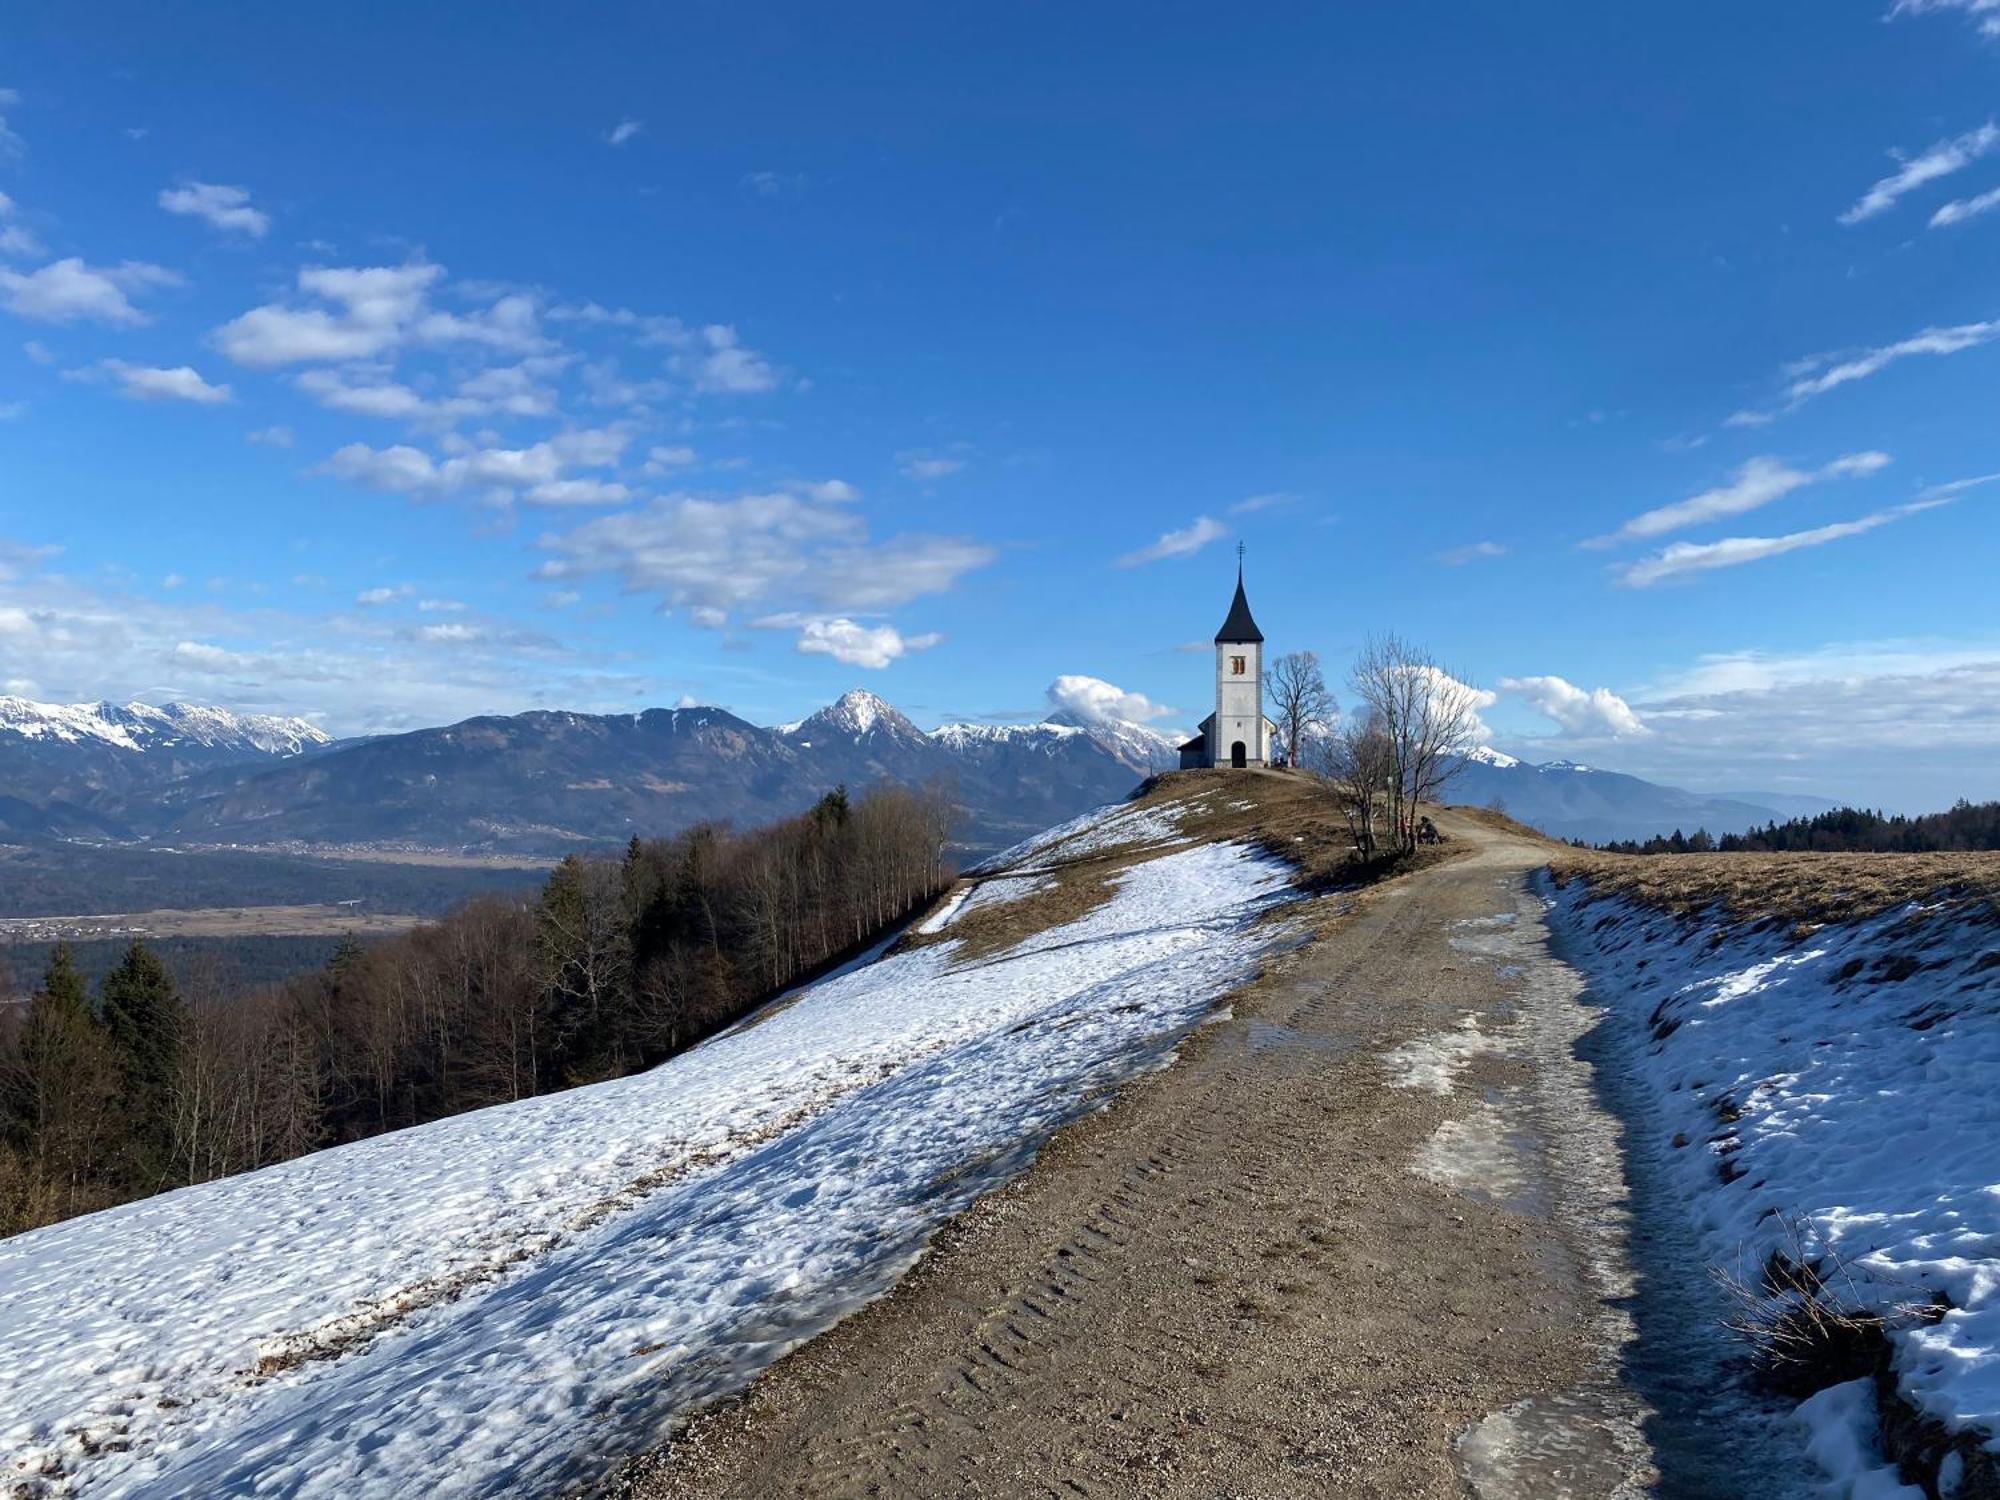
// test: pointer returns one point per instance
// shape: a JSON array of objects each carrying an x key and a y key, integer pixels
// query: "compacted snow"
[
  {"x": 1834, "y": 1096},
  {"x": 506, "y": 1301}
]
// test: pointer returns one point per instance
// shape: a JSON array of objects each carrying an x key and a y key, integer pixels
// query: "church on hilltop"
[{"x": 1237, "y": 734}]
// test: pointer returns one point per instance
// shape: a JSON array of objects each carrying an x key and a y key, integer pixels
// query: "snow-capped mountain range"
[
  {"x": 541, "y": 782},
  {"x": 548, "y": 782},
  {"x": 141, "y": 727}
]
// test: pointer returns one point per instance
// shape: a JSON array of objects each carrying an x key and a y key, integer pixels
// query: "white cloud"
[
  {"x": 623, "y": 131},
  {"x": 510, "y": 325},
  {"x": 10, "y": 143},
  {"x": 65, "y": 290},
  {"x": 1961, "y": 209},
  {"x": 859, "y": 645},
  {"x": 664, "y": 460},
  {"x": 1269, "y": 501},
  {"x": 370, "y": 311},
  {"x": 926, "y": 467},
  {"x": 832, "y": 491},
  {"x": 1755, "y": 484},
  {"x": 270, "y": 437},
  {"x": 151, "y": 383},
  {"x": 15, "y": 237},
  {"x": 400, "y": 468},
  {"x": 578, "y": 492},
  {"x": 1820, "y": 373},
  {"x": 226, "y": 208},
  {"x": 440, "y": 606},
  {"x": 450, "y": 634},
  {"x": 1985, "y": 12},
  {"x": 1698, "y": 557},
  {"x": 383, "y": 594},
  {"x": 362, "y": 394},
  {"x": 1939, "y": 160},
  {"x": 721, "y": 555},
  {"x": 1586, "y": 714},
  {"x": 716, "y": 362},
  {"x": 1095, "y": 701},
  {"x": 1458, "y": 557},
  {"x": 1183, "y": 543}
]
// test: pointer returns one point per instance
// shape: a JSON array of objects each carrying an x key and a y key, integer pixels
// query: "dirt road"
[{"x": 1371, "y": 1212}]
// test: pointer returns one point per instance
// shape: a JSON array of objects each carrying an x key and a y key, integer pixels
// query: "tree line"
[
  {"x": 616, "y": 964},
  {"x": 1967, "y": 826}
]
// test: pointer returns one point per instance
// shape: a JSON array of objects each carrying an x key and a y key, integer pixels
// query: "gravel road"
[{"x": 1362, "y": 1239}]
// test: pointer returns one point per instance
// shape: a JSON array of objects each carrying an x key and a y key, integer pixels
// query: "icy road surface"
[{"x": 508, "y": 1301}]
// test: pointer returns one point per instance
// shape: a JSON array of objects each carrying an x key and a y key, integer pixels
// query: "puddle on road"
[
  {"x": 1269, "y": 1036},
  {"x": 1488, "y": 1157},
  {"x": 1580, "y": 1445}
]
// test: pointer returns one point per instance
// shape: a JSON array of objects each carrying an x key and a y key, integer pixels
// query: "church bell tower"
[{"x": 1238, "y": 734}]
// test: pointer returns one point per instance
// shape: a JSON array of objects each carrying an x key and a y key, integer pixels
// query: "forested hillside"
[{"x": 616, "y": 964}]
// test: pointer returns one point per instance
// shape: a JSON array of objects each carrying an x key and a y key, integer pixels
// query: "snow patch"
[
  {"x": 539, "y": 1288},
  {"x": 1837, "y": 1086}
]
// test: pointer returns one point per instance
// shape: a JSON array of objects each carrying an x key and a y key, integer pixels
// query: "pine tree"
[
  {"x": 58, "y": 1096},
  {"x": 147, "y": 1022}
]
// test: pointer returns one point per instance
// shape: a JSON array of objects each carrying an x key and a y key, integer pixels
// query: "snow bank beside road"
[
  {"x": 1836, "y": 1093},
  {"x": 500, "y": 1302}
]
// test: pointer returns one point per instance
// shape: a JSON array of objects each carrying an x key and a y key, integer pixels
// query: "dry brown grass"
[
  {"x": 1285, "y": 813},
  {"x": 1792, "y": 887}
]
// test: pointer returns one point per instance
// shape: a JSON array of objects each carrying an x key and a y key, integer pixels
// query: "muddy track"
[{"x": 1230, "y": 1283}]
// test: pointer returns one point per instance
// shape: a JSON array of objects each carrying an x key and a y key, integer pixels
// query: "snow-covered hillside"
[
  {"x": 507, "y": 1301},
  {"x": 1831, "y": 1096},
  {"x": 141, "y": 727}
]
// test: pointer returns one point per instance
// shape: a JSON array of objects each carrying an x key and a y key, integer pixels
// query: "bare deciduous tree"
[
  {"x": 1431, "y": 719},
  {"x": 1359, "y": 764},
  {"x": 1297, "y": 693}
]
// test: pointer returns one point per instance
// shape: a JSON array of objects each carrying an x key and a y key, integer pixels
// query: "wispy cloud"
[
  {"x": 1183, "y": 543},
  {"x": 223, "y": 207},
  {"x": 10, "y": 143},
  {"x": 1271, "y": 501},
  {"x": 1458, "y": 557},
  {"x": 623, "y": 131},
  {"x": 925, "y": 466},
  {"x": 1755, "y": 484},
  {"x": 1700, "y": 557},
  {"x": 1961, "y": 209},
  {"x": 1940, "y": 159},
  {"x": 151, "y": 383},
  {"x": 1986, "y": 13},
  {"x": 1817, "y": 374}
]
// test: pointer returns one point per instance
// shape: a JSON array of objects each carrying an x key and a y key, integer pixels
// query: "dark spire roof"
[{"x": 1239, "y": 626}]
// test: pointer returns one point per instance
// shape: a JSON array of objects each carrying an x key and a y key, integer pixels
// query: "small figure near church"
[{"x": 1237, "y": 734}]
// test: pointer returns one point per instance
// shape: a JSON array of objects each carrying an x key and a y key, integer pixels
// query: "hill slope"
[{"x": 621, "y": 1247}]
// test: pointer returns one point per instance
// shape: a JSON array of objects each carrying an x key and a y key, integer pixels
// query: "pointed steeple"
[{"x": 1239, "y": 626}]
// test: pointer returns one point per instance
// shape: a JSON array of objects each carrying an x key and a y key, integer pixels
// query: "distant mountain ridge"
[
  {"x": 1571, "y": 801},
  {"x": 547, "y": 782}
]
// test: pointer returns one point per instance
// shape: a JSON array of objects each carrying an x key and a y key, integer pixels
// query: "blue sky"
[{"x": 390, "y": 364}]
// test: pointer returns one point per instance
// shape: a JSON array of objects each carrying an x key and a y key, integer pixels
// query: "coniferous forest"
[
  {"x": 615, "y": 965},
  {"x": 1967, "y": 826}
]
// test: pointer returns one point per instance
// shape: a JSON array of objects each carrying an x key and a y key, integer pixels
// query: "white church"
[{"x": 1237, "y": 733}]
